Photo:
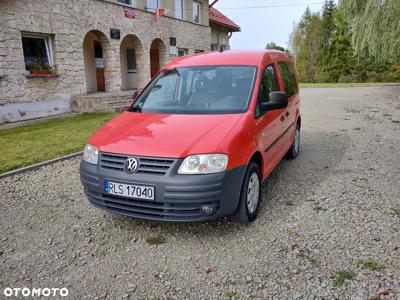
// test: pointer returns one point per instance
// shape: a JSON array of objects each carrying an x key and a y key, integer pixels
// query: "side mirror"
[
  {"x": 277, "y": 100},
  {"x": 136, "y": 94}
]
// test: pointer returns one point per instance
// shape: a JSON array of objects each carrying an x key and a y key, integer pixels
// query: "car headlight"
[
  {"x": 91, "y": 154},
  {"x": 204, "y": 164}
]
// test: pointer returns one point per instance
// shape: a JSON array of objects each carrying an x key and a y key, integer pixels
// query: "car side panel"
[
  {"x": 289, "y": 116},
  {"x": 268, "y": 129},
  {"x": 284, "y": 132}
]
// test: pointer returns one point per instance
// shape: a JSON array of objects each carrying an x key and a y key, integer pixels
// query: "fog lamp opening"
[{"x": 208, "y": 209}]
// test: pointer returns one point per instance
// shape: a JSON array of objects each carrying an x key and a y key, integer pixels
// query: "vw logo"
[{"x": 131, "y": 165}]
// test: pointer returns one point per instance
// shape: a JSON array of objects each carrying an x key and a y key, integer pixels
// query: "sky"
[{"x": 262, "y": 25}]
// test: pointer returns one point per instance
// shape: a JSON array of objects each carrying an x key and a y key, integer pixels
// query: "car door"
[
  {"x": 268, "y": 123},
  {"x": 295, "y": 98},
  {"x": 289, "y": 114}
]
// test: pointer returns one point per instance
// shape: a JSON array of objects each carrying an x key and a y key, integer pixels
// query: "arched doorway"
[
  {"x": 158, "y": 56},
  {"x": 131, "y": 51},
  {"x": 96, "y": 46}
]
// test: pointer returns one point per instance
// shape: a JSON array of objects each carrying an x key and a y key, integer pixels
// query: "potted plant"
[{"x": 37, "y": 69}]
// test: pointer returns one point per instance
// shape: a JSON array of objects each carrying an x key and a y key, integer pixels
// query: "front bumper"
[{"x": 178, "y": 198}]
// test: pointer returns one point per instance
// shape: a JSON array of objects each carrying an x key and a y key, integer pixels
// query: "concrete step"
[
  {"x": 118, "y": 105},
  {"x": 102, "y": 102}
]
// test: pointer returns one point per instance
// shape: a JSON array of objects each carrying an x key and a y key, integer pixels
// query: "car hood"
[{"x": 163, "y": 135}]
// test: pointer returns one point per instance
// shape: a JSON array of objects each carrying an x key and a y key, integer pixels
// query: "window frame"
[
  {"x": 132, "y": 3},
  {"x": 181, "y": 9},
  {"x": 134, "y": 63},
  {"x": 185, "y": 50},
  {"x": 278, "y": 88},
  {"x": 293, "y": 86},
  {"x": 292, "y": 71},
  {"x": 48, "y": 42},
  {"x": 198, "y": 6},
  {"x": 157, "y": 3}
]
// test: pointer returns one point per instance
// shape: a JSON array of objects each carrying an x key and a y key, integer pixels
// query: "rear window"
[{"x": 288, "y": 77}]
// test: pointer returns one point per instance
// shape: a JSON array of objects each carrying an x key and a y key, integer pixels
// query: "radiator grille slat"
[{"x": 147, "y": 165}]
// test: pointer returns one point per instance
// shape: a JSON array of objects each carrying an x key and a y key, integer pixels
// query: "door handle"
[{"x": 287, "y": 114}]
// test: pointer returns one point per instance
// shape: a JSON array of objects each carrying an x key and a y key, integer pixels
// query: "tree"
[
  {"x": 274, "y": 46},
  {"x": 298, "y": 34},
  {"x": 304, "y": 45},
  {"x": 376, "y": 28},
  {"x": 326, "y": 49},
  {"x": 358, "y": 40},
  {"x": 308, "y": 56},
  {"x": 342, "y": 52}
]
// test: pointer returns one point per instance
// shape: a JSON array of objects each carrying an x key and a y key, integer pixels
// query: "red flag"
[{"x": 159, "y": 13}]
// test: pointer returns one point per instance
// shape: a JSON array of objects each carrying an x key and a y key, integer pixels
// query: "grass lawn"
[
  {"x": 33, "y": 143},
  {"x": 338, "y": 85}
]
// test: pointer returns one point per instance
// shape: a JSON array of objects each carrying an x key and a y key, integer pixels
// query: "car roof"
[{"x": 228, "y": 57}]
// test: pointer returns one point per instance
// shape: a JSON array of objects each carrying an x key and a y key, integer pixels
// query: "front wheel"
[
  {"x": 295, "y": 148},
  {"x": 249, "y": 202}
]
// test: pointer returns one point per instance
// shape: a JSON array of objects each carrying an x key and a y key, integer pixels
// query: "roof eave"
[{"x": 231, "y": 28}]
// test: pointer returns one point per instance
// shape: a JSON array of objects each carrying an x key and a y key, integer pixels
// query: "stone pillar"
[
  {"x": 112, "y": 60},
  {"x": 145, "y": 71}
]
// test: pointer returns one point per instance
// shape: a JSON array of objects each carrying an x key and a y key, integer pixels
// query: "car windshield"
[{"x": 199, "y": 90}]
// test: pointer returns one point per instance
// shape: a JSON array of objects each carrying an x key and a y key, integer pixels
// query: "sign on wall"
[
  {"x": 173, "y": 50},
  {"x": 129, "y": 14},
  {"x": 115, "y": 33}
]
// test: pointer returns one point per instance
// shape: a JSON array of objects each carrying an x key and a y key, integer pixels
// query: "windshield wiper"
[
  {"x": 136, "y": 109},
  {"x": 156, "y": 88},
  {"x": 174, "y": 71}
]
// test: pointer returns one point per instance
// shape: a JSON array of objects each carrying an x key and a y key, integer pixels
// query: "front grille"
[{"x": 147, "y": 165}]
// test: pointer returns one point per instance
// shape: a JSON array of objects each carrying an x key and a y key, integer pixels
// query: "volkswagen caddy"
[{"x": 198, "y": 140}]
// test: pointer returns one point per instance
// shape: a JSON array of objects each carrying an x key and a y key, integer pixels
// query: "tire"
[
  {"x": 295, "y": 148},
  {"x": 249, "y": 202}
]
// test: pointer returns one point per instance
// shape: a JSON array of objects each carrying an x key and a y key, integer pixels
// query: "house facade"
[
  {"x": 221, "y": 29},
  {"x": 89, "y": 55}
]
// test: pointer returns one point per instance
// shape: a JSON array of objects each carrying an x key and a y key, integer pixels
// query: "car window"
[
  {"x": 199, "y": 90},
  {"x": 293, "y": 76},
  {"x": 288, "y": 78},
  {"x": 269, "y": 83}
]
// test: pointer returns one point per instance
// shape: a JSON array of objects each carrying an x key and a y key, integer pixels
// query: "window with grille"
[
  {"x": 127, "y": 2},
  {"x": 131, "y": 60},
  {"x": 182, "y": 52},
  {"x": 196, "y": 12}
]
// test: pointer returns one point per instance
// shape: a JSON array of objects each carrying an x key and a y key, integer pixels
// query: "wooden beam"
[{"x": 212, "y": 4}]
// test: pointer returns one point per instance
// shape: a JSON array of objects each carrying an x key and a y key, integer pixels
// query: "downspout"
[{"x": 229, "y": 37}]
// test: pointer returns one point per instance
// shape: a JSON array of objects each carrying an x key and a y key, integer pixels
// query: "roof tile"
[{"x": 219, "y": 18}]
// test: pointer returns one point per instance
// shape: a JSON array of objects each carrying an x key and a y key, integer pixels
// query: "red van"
[{"x": 198, "y": 140}]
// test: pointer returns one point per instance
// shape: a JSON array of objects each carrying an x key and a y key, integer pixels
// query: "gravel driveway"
[{"x": 329, "y": 226}]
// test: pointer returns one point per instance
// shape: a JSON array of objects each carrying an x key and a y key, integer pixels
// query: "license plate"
[{"x": 129, "y": 190}]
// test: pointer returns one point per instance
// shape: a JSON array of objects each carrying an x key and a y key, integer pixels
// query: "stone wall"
[{"x": 68, "y": 23}]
